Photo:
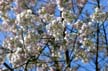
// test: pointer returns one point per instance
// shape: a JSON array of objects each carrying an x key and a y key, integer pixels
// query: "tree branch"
[
  {"x": 97, "y": 48},
  {"x": 98, "y": 3},
  {"x": 7, "y": 66}
]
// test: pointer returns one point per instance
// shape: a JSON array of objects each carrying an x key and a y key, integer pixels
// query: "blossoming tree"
[{"x": 37, "y": 38}]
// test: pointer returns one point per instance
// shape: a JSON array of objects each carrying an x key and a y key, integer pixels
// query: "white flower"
[
  {"x": 54, "y": 35},
  {"x": 29, "y": 11},
  {"x": 69, "y": 23},
  {"x": 18, "y": 17},
  {"x": 54, "y": 22},
  {"x": 63, "y": 14},
  {"x": 29, "y": 48},
  {"x": 80, "y": 31},
  {"x": 81, "y": 41},
  {"x": 43, "y": 9},
  {"x": 16, "y": 37},
  {"x": 85, "y": 39},
  {"x": 90, "y": 23},
  {"x": 58, "y": 2},
  {"x": 18, "y": 50},
  {"x": 27, "y": 16},
  {"x": 84, "y": 26},
  {"x": 39, "y": 11},
  {"x": 93, "y": 17},
  {"x": 64, "y": 23},
  {"x": 60, "y": 8},
  {"x": 59, "y": 18},
  {"x": 22, "y": 14},
  {"x": 53, "y": 54},
  {"x": 21, "y": 41},
  {"x": 65, "y": 38},
  {"x": 97, "y": 9},
  {"x": 14, "y": 58}
]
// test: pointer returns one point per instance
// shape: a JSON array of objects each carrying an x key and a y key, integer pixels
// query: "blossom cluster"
[{"x": 30, "y": 34}]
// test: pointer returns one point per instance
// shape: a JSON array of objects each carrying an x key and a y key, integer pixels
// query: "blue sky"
[{"x": 1, "y": 37}]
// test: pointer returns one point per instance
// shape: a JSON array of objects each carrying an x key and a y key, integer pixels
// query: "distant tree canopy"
[{"x": 54, "y": 35}]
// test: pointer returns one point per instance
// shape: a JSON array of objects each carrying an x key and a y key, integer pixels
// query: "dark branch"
[
  {"x": 98, "y": 3},
  {"x": 7, "y": 66},
  {"x": 97, "y": 48}
]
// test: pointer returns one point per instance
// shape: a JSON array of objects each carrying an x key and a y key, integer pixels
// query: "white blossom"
[
  {"x": 29, "y": 11},
  {"x": 90, "y": 23},
  {"x": 97, "y": 9},
  {"x": 63, "y": 14}
]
